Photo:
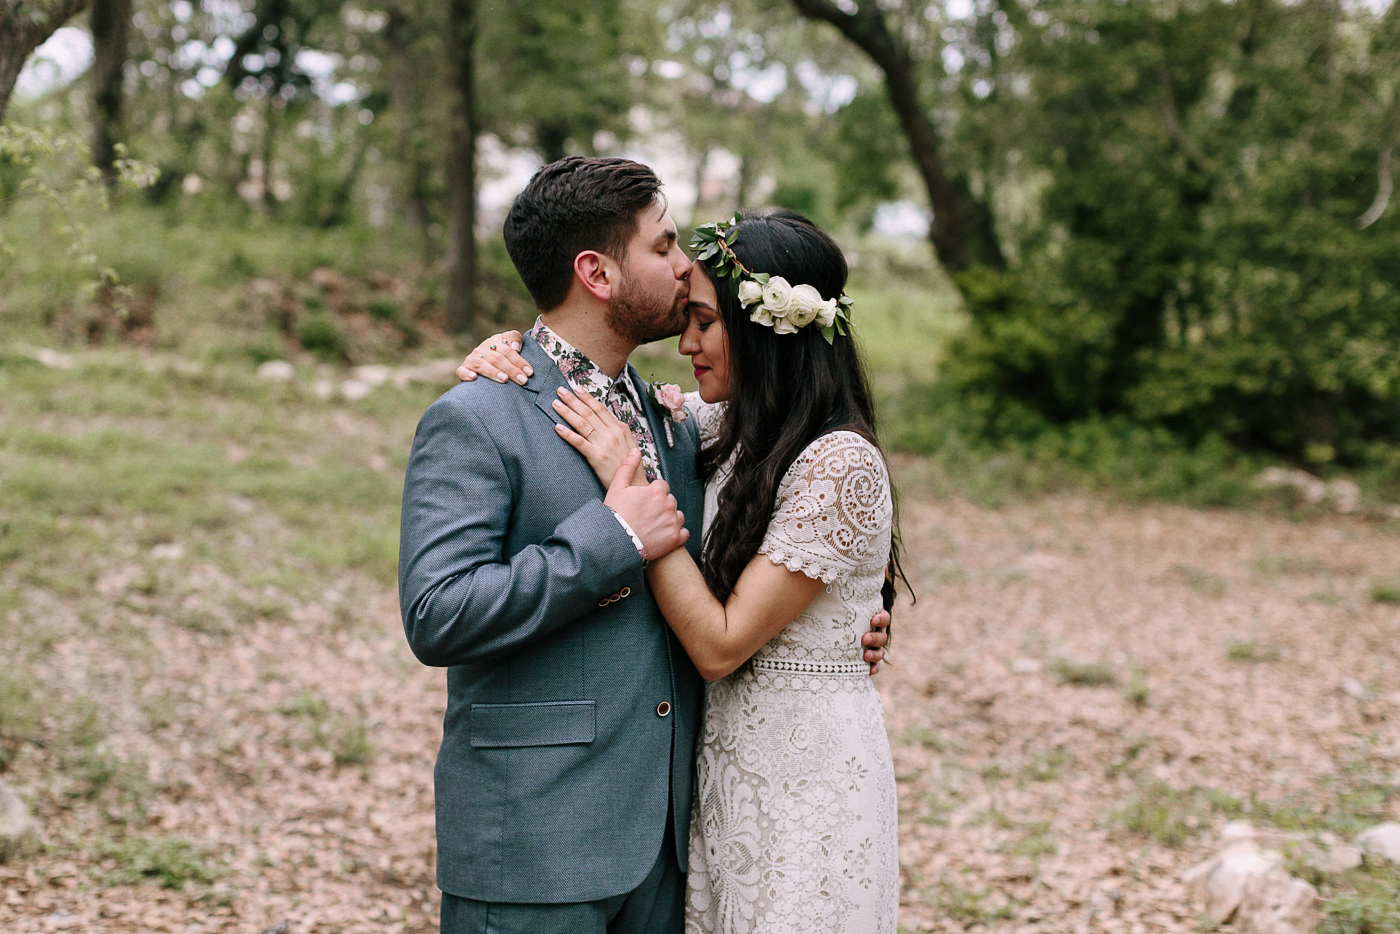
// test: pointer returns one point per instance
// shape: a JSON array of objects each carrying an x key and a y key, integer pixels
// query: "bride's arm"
[
  {"x": 497, "y": 358},
  {"x": 719, "y": 637}
]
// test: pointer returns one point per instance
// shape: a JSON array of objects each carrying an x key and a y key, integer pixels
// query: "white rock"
[
  {"x": 1345, "y": 495},
  {"x": 323, "y": 388},
  {"x": 1353, "y": 688},
  {"x": 374, "y": 375},
  {"x": 433, "y": 372},
  {"x": 1334, "y": 859},
  {"x": 1310, "y": 488},
  {"x": 355, "y": 389},
  {"x": 52, "y": 358},
  {"x": 1027, "y": 666},
  {"x": 169, "y": 551},
  {"x": 277, "y": 370},
  {"x": 1277, "y": 903},
  {"x": 18, "y": 830},
  {"x": 1220, "y": 881},
  {"x": 1382, "y": 840}
]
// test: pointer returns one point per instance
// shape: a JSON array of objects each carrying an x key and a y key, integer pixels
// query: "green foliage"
[
  {"x": 988, "y": 448},
  {"x": 1385, "y": 592},
  {"x": 1251, "y": 651},
  {"x": 19, "y": 710},
  {"x": 1363, "y": 901},
  {"x": 319, "y": 335},
  {"x": 1084, "y": 674},
  {"x": 1195, "y": 259},
  {"x": 172, "y": 860},
  {"x": 1137, "y": 693},
  {"x": 1170, "y": 816}
]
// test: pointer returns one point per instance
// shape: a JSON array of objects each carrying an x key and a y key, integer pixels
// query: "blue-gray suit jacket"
[{"x": 557, "y": 769}]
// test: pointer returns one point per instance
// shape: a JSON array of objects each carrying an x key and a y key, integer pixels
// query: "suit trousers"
[{"x": 657, "y": 906}]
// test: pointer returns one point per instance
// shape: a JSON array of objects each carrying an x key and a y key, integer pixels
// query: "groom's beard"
[{"x": 640, "y": 318}]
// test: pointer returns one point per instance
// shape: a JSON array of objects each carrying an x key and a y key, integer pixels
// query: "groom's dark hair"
[{"x": 578, "y": 203}]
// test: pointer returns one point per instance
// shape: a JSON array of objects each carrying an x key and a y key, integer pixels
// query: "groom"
[{"x": 564, "y": 779}]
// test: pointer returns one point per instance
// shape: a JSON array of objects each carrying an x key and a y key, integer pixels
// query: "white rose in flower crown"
[
  {"x": 749, "y": 292},
  {"x": 760, "y": 315},
  {"x": 784, "y": 325},
  {"x": 806, "y": 304},
  {"x": 777, "y": 297},
  {"x": 827, "y": 316}
]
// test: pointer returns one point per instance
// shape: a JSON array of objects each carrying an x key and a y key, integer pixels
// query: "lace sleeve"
[
  {"x": 833, "y": 510},
  {"x": 708, "y": 416}
]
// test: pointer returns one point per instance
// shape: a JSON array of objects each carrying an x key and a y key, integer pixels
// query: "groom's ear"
[{"x": 598, "y": 273}]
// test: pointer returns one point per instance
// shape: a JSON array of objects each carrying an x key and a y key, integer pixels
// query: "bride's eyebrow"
[{"x": 704, "y": 305}]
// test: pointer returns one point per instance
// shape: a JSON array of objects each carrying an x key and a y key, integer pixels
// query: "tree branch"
[{"x": 1385, "y": 189}]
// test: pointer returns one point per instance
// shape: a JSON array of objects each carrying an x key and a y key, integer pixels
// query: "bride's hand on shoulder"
[
  {"x": 498, "y": 359},
  {"x": 596, "y": 433}
]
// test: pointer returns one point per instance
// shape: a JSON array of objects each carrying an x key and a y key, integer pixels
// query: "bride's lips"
[{"x": 701, "y": 371}]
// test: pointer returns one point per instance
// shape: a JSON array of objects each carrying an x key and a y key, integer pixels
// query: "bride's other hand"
[
  {"x": 596, "y": 433},
  {"x": 876, "y": 639},
  {"x": 497, "y": 358}
]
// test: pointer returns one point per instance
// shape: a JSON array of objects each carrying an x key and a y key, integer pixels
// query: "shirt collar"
[{"x": 579, "y": 371}]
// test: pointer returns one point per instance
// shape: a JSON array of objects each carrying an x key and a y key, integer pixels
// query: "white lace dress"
[{"x": 794, "y": 828}]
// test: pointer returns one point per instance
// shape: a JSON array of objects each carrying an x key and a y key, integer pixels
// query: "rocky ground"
[{"x": 1083, "y": 695}]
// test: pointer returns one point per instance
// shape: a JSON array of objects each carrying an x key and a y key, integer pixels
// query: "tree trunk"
[
  {"x": 403, "y": 78},
  {"x": 461, "y": 168},
  {"x": 23, "y": 28},
  {"x": 961, "y": 233},
  {"x": 110, "y": 23},
  {"x": 269, "y": 200}
]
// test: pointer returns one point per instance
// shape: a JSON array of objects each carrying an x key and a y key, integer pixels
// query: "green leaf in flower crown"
[
  {"x": 710, "y": 250},
  {"x": 761, "y": 277},
  {"x": 830, "y": 334}
]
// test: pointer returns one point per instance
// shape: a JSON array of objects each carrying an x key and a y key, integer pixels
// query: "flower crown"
[{"x": 776, "y": 303}]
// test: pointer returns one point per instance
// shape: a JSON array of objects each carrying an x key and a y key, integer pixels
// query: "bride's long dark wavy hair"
[{"x": 786, "y": 390}]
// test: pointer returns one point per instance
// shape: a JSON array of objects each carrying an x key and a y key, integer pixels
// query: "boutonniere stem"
[{"x": 670, "y": 398}]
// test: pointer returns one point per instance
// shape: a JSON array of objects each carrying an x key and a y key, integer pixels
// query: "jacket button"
[
  {"x": 624, "y": 592},
  {"x": 663, "y": 708}
]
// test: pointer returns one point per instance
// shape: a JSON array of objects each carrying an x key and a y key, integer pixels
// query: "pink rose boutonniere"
[{"x": 670, "y": 398}]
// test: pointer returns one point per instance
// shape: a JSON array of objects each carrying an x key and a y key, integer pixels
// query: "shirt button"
[{"x": 663, "y": 708}]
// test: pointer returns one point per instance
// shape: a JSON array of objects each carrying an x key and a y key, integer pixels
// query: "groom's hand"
[
  {"x": 876, "y": 639},
  {"x": 650, "y": 510}
]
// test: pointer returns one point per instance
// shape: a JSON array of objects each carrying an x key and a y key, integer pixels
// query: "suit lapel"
[
  {"x": 656, "y": 419},
  {"x": 547, "y": 381}
]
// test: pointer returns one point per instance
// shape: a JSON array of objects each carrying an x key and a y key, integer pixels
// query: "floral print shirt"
[{"x": 619, "y": 395}]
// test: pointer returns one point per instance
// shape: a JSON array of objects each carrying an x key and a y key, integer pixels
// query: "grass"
[
  {"x": 173, "y": 861},
  {"x": 1171, "y": 816},
  {"x": 972, "y": 905},
  {"x": 1083, "y": 674},
  {"x": 1137, "y": 693},
  {"x": 1387, "y": 592},
  {"x": 1363, "y": 901},
  {"x": 347, "y": 738},
  {"x": 1251, "y": 652}
]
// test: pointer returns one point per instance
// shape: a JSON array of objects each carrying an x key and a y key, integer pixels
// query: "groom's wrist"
[{"x": 636, "y": 539}]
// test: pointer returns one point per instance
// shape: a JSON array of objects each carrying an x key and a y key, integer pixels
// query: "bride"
[{"x": 794, "y": 825}]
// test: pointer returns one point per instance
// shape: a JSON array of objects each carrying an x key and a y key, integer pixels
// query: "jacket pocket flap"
[{"x": 551, "y": 723}]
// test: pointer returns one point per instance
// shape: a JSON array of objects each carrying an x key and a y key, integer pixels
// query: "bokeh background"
[{"x": 1127, "y": 274}]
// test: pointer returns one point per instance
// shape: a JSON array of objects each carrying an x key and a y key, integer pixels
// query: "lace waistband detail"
[{"x": 799, "y": 667}]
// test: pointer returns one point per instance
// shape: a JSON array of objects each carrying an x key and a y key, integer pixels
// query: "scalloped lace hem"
[{"x": 800, "y": 562}]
